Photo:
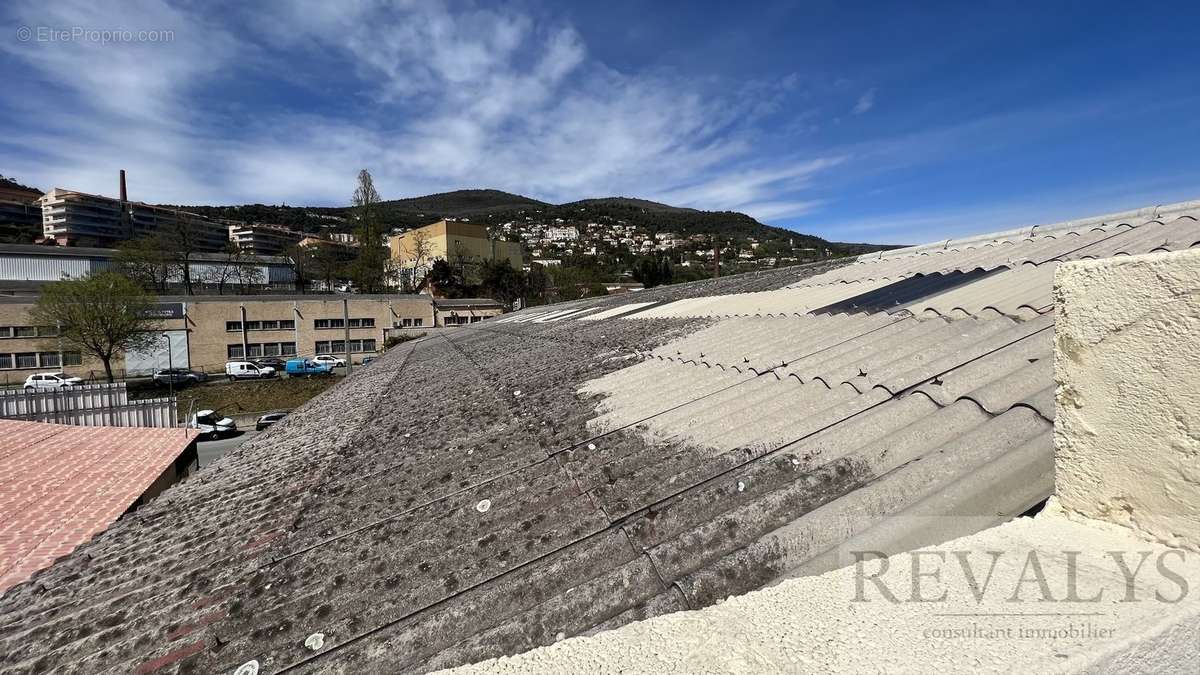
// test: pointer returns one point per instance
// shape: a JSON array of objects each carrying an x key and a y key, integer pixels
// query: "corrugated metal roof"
[{"x": 502, "y": 485}]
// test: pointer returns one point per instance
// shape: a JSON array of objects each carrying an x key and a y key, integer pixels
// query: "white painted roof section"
[
  {"x": 616, "y": 311},
  {"x": 765, "y": 303}
]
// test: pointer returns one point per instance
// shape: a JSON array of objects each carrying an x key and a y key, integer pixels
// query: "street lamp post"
[{"x": 170, "y": 367}]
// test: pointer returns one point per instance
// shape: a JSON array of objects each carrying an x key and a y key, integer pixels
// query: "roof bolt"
[
  {"x": 483, "y": 505},
  {"x": 741, "y": 486},
  {"x": 471, "y": 451},
  {"x": 560, "y": 637},
  {"x": 248, "y": 668},
  {"x": 407, "y": 435},
  {"x": 591, "y": 446},
  {"x": 315, "y": 641},
  {"x": 517, "y": 393}
]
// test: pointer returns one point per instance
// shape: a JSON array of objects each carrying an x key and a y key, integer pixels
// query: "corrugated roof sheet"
[{"x": 498, "y": 486}]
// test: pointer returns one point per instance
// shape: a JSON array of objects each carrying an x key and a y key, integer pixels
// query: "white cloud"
[
  {"x": 865, "y": 102},
  {"x": 476, "y": 98}
]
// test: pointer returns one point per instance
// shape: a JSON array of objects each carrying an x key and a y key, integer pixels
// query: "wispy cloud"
[
  {"x": 864, "y": 103},
  {"x": 447, "y": 99}
]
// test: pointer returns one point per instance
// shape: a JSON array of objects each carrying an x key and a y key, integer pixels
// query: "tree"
[
  {"x": 104, "y": 315},
  {"x": 180, "y": 239},
  {"x": 146, "y": 261},
  {"x": 303, "y": 265},
  {"x": 417, "y": 249},
  {"x": 369, "y": 269},
  {"x": 502, "y": 283}
]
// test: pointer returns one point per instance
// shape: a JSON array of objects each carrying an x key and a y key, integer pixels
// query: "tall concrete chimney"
[{"x": 124, "y": 195}]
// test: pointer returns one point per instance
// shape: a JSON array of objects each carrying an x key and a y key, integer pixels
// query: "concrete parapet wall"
[{"x": 1127, "y": 361}]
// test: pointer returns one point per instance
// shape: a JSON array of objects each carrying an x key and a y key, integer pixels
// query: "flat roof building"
[
  {"x": 416, "y": 250},
  {"x": 20, "y": 213},
  {"x": 25, "y": 267},
  {"x": 207, "y": 331},
  {"x": 263, "y": 239}
]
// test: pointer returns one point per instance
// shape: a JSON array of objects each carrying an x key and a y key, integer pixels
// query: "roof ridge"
[{"x": 1147, "y": 212}]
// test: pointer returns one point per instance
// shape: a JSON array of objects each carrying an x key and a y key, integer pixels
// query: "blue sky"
[{"x": 871, "y": 122}]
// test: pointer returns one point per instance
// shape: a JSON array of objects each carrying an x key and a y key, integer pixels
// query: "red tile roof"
[{"x": 60, "y": 485}]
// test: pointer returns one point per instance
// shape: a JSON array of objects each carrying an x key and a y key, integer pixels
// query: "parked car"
[
  {"x": 50, "y": 381},
  {"x": 307, "y": 368},
  {"x": 244, "y": 370},
  {"x": 267, "y": 420},
  {"x": 211, "y": 424},
  {"x": 270, "y": 362},
  {"x": 178, "y": 376},
  {"x": 330, "y": 360},
  {"x": 369, "y": 359}
]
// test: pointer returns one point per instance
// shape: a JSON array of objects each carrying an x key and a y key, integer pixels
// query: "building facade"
[
  {"x": 20, "y": 212},
  {"x": 26, "y": 267},
  {"x": 71, "y": 218},
  {"x": 204, "y": 332},
  {"x": 260, "y": 239},
  {"x": 451, "y": 240}
]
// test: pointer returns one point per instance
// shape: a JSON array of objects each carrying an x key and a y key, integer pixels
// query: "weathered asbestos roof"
[
  {"x": 60, "y": 484},
  {"x": 567, "y": 469}
]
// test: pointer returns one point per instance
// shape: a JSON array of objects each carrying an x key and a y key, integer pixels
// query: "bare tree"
[
  {"x": 369, "y": 267},
  {"x": 146, "y": 261},
  {"x": 418, "y": 249},
  {"x": 104, "y": 315}
]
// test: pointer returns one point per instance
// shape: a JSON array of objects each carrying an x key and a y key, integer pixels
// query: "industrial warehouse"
[{"x": 205, "y": 332}]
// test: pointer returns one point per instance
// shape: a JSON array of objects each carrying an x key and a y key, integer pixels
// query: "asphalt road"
[{"x": 210, "y": 450}]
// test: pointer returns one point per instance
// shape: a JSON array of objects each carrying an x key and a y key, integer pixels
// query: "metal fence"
[{"x": 91, "y": 405}]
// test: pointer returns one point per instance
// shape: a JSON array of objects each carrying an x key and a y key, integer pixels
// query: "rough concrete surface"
[
  {"x": 842, "y": 621},
  {"x": 1127, "y": 438}
]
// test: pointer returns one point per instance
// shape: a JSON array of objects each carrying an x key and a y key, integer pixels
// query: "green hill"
[{"x": 493, "y": 207}]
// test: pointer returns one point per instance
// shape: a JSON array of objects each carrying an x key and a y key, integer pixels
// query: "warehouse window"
[
  {"x": 6, "y": 361},
  {"x": 231, "y": 326},
  {"x": 261, "y": 349},
  {"x": 339, "y": 346},
  {"x": 362, "y": 323},
  {"x": 287, "y": 324},
  {"x": 27, "y": 360},
  {"x": 24, "y": 331},
  {"x": 49, "y": 360},
  {"x": 72, "y": 359}
]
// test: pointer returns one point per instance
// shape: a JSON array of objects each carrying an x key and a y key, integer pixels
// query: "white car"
[
  {"x": 212, "y": 425},
  {"x": 51, "y": 381},
  {"x": 330, "y": 360},
  {"x": 244, "y": 370}
]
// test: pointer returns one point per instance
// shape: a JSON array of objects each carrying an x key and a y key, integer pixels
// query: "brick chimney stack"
[{"x": 124, "y": 195}]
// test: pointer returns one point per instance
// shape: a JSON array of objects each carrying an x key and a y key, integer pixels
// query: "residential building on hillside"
[
  {"x": 71, "y": 218},
  {"x": 20, "y": 213},
  {"x": 562, "y": 233},
  {"x": 263, "y": 239},
  {"x": 416, "y": 250}
]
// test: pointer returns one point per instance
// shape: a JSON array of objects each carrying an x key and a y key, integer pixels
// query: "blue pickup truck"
[{"x": 306, "y": 368}]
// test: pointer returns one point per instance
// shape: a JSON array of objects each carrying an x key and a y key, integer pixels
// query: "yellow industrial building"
[{"x": 452, "y": 241}]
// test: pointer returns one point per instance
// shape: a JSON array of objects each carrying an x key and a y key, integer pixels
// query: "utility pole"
[{"x": 346, "y": 326}]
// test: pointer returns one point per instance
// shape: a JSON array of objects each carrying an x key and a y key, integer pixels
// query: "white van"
[{"x": 244, "y": 370}]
